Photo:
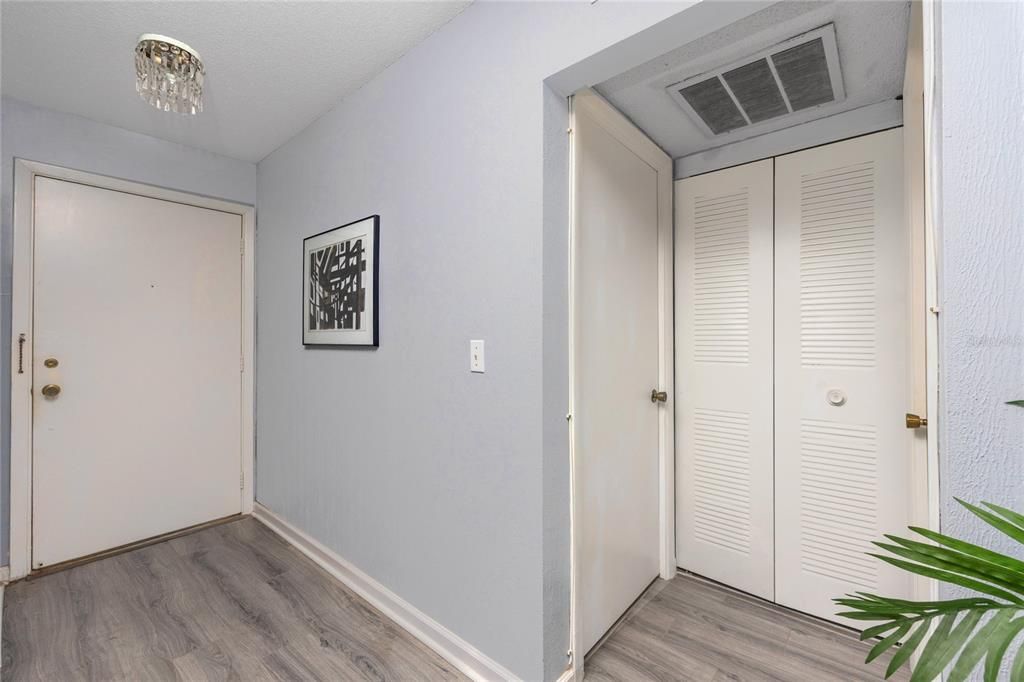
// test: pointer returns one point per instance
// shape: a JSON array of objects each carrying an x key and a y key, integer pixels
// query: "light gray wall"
[
  {"x": 982, "y": 263},
  {"x": 429, "y": 478},
  {"x": 36, "y": 134}
]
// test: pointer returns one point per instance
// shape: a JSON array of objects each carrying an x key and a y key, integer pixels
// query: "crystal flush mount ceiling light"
[{"x": 169, "y": 74}]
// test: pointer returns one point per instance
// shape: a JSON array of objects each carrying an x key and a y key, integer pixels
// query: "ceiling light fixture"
[{"x": 169, "y": 74}]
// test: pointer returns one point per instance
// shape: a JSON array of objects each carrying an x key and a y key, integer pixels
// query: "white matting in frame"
[{"x": 339, "y": 290}]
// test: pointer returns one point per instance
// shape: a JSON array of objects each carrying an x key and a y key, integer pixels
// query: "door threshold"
[
  {"x": 813, "y": 620},
  {"x": 131, "y": 546}
]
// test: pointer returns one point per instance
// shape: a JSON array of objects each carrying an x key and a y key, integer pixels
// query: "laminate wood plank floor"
[
  {"x": 231, "y": 602},
  {"x": 690, "y": 629}
]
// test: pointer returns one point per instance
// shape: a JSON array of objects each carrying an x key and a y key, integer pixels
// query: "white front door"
[
  {"x": 842, "y": 342},
  {"x": 616, "y": 367},
  {"x": 724, "y": 386},
  {"x": 137, "y": 320}
]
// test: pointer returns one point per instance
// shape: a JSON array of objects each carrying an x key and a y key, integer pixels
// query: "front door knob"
[
  {"x": 51, "y": 390},
  {"x": 658, "y": 396}
]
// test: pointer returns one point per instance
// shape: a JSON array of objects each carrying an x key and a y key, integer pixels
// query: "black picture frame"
[{"x": 342, "y": 265}]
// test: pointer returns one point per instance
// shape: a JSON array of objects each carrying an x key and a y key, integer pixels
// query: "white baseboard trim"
[
  {"x": 567, "y": 676},
  {"x": 460, "y": 653}
]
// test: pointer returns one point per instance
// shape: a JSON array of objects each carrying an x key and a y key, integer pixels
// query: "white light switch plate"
[{"x": 476, "y": 356}]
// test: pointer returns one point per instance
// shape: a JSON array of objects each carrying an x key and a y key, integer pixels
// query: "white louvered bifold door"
[
  {"x": 724, "y": 376},
  {"x": 842, "y": 452}
]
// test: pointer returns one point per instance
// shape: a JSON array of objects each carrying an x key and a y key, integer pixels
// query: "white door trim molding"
[
  {"x": 622, "y": 129},
  {"x": 20, "y": 531},
  {"x": 928, "y": 13},
  {"x": 460, "y": 653},
  {"x": 921, "y": 170}
]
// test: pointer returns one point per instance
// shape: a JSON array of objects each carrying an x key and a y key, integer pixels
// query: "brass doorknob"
[
  {"x": 658, "y": 396},
  {"x": 916, "y": 422},
  {"x": 51, "y": 390}
]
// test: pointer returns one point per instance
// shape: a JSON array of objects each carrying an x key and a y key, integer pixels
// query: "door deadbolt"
[
  {"x": 658, "y": 396},
  {"x": 50, "y": 362},
  {"x": 51, "y": 390}
]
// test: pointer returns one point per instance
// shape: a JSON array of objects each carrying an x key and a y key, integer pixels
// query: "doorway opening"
[{"x": 800, "y": 341}]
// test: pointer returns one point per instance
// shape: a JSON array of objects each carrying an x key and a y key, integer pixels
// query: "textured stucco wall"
[{"x": 982, "y": 263}]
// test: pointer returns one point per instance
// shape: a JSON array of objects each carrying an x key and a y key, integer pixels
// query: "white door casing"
[
  {"x": 140, "y": 302},
  {"x": 621, "y": 219},
  {"x": 924, "y": 307},
  {"x": 724, "y": 383},
  {"x": 843, "y": 457}
]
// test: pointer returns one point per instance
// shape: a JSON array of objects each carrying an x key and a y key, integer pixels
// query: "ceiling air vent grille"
[{"x": 801, "y": 73}]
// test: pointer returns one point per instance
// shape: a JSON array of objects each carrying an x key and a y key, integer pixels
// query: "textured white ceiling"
[
  {"x": 272, "y": 67},
  {"x": 871, "y": 36}
]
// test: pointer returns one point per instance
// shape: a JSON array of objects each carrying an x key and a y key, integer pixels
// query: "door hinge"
[
  {"x": 241, "y": 363},
  {"x": 241, "y": 246},
  {"x": 241, "y": 481}
]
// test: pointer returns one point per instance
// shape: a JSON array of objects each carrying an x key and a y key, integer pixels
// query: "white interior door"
[
  {"x": 842, "y": 452},
  {"x": 724, "y": 376},
  {"x": 138, "y": 301},
  {"x": 616, "y": 367}
]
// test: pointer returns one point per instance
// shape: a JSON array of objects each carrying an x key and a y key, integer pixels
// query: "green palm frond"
[{"x": 963, "y": 632}]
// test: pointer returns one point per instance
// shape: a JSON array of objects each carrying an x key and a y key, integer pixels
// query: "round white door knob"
[{"x": 835, "y": 397}]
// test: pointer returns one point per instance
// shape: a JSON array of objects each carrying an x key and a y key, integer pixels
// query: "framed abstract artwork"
[{"x": 339, "y": 290}]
